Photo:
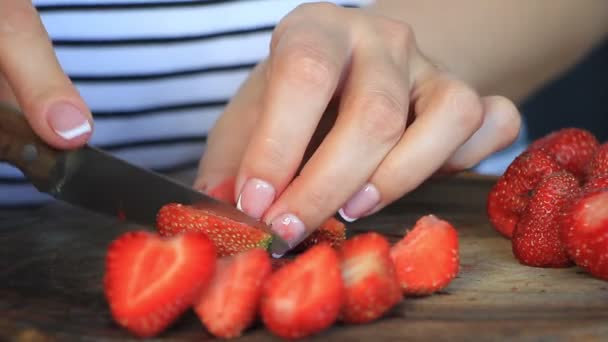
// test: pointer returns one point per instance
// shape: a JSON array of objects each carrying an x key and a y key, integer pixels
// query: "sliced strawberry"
[
  {"x": 332, "y": 231},
  {"x": 229, "y": 237},
  {"x": 572, "y": 148},
  {"x": 150, "y": 281},
  {"x": 230, "y": 304},
  {"x": 370, "y": 280},
  {"x": 427, "y": 258},
  {"x": 598, "y": 166},
  {"x": 596, "y": 183},
  {"x": 510, "y": 195},
  {"x": 305, "y": 296},
  {"x": 584, "y": 231},
  {"x": 224, "y": 191},
  {"x": 536, "y": 239}
]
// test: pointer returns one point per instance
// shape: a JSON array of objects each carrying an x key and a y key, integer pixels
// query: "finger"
[
  {"x": 231, "y": 133},
  {"x": 6, "y": 93},
  {"x": 372, "y": 119},
  {"x": 449, "y": 112},
  {"x": 45, "y": 95},
  {"x": 500, "y": 128},
  {"x": 304, "y": 69}
]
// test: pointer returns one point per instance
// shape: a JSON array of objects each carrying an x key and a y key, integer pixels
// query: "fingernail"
[
  {"x": 255, "y": 198},
  {"x": 67, "y": 121},
  {"x": 290, "y": 228},
  {"x": 361, "y": 203}
]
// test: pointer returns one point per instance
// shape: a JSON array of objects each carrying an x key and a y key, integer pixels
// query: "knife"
[{"x": 94, "y": 180}]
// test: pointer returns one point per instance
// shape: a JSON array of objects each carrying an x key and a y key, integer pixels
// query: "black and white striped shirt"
[{"x": 155, "y": 73}]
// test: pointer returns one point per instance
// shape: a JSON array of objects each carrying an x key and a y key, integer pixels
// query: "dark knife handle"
[{"x": 21, "y": 147}]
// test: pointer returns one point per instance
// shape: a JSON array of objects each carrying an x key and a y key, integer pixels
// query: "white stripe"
[
  {"x": 116, "y": 96},
  {"x": 21, "y": 194},
  {"x": 133, "y": 59},
  {"x": 160, "y": 125},
  {"x": 166, "y": 22}
]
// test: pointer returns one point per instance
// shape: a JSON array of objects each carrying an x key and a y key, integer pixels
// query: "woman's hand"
[
  {"x": 32, "y": 79},
  {"x": 400, "y": 119}
]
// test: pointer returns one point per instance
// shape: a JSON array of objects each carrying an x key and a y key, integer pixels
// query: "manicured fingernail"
[
  {"x": 361, "y": 203},
  {"x": 290, "y": 228},
  {"x": 68, "y": 121},
  {"x": 256, "y": 196}
]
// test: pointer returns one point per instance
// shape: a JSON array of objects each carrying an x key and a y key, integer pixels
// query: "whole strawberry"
[
  {"x": 536, "y": 238},
  {"x": 584, "y": 231},
  {"x": 510, "y": 195},
  {"x": 598, "y": 166},
  {"x": 572, "y": 148}
]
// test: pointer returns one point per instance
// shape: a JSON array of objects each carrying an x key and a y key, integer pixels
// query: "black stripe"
[
  {"x": 24, "y": 206},
  {"x": 160, "y": 75},
  {"x": 128, "y": 5},
  {"x": 58, "y": 42},
  {"x": 114, "y": 147},
  {"x": 158, "y": 109}
]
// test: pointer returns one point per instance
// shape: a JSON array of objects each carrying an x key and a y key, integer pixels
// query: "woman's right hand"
[{"x": 32, "y": 79}]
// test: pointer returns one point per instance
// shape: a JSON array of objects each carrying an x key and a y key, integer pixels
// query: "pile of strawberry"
[
  {"x": 222, "y": 271},
  {"x": 552, "y": 202}
]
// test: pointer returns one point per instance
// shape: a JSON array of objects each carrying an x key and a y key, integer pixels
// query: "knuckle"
[
  {"x": 465, "y": 106},
  {"x": 384, "y": 117},
  {"x": 401, "y": 34},
  {"x": 317, "y": 200},
  {"x": 275, "y": 156},
  {"x": 308, "y": 65}
]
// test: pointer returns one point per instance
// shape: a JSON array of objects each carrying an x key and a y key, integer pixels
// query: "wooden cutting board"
[{"x": 51, "y": 266}]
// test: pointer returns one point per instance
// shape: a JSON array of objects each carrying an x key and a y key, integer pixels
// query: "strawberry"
[
  {"x": 224, "y": 191},
  {"x": 331, "y": 231},
  {"x": 596, "y": 183},
  {"x": 598, "y": 166},
  {"x": 572, "y": 148},
  {"x": 305, "y": 296},
  {"x": 150, "y": 281},
  {"x": 230, "y": 237},
  {"x": 584, "y": 231},
  {"x": 370, "y": 281},
  {"x": 230, "y": 303},
  {"x": 536, "y": 239},
  {"x": 278, "y": 263},
  {"x": 510, "y": 195},
  {"x": 427, "y": 259}
]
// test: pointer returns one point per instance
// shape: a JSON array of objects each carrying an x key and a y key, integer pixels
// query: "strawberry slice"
[
  {"x": 150, "y": 281},
  {"x": 427, "y": 258},
  {"x": 331, "y": 231},
  {"x": 370, "y": 281},
  {"x": 224, "y": 191},
  {"x": 584, "y": 231},
  {"x": 230, "y": 304},
  {"x": 228, "y": 236},
  {"x": 536, "y": 239},
  {"x": 305, "y": 296},
  {"x": 571, "y": 147}
]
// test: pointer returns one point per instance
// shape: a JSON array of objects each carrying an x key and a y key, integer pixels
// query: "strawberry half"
[
  {"x": 584, "y": 232},
  {"x": 572, "y": 148},
  {"x": 228, "y": 236},
  {"x": 536, "y": 239},
  {"x": 370, "y": 281},
  {"x": 427, "y": 259},
  {"x": 150, "y": 281},
  {"x": 305, "y": 296},
  {"x": 332, "y": 231},
  {"x": 598, "y": 166},
  {"x": 230, "y": 303},
  {"x": 509, "y": 197}
]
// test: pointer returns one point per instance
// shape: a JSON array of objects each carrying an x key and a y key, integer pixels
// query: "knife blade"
[{"x": 94, "y": 180}]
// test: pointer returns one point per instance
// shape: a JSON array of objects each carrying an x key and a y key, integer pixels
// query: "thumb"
[{"x": 50, "y": 102}]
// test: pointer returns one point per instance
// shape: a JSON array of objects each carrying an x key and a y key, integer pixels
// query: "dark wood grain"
[{"x": 51, "y": 266}]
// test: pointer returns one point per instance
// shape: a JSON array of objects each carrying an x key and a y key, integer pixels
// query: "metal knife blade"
[{"x": 95, "y": 180}]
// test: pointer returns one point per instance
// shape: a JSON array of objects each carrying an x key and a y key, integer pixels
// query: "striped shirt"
[{"x": 155, "y": 73}]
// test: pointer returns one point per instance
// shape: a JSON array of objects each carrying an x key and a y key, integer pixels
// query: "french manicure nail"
[
  {"x": 255, "y": 198},
  {"x": 290, "y": 228},
  {"x": 360, "y": 203},
  {"x": 68, "y": 121}
]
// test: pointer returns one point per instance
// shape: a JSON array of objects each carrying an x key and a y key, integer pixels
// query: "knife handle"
[{"x": 21, "y": 147}]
